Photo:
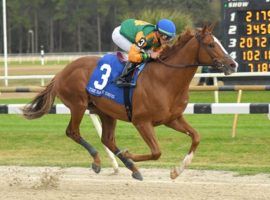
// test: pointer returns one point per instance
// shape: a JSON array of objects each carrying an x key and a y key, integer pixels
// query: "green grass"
[
  {"x": 42, "y": 142},
  {"x": 231, "y": 97}
]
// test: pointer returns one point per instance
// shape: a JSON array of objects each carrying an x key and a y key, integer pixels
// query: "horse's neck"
[
  {"x": 175, "y": 78},
  {"x": 186, "y": 55}
]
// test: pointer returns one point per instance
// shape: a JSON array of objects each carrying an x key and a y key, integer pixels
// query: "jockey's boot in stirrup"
[{"x": 124, "y": 80}]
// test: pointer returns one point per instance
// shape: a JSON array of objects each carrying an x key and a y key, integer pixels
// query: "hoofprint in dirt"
[{"x": 49, "y": 183}]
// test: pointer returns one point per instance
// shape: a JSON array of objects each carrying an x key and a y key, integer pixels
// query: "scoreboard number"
[
  {"x": 233, "y": 55},
  {"x": 232, "y": 30},
  {"x": 232, "y": 42},
  {"x": 232, "y": 17}
]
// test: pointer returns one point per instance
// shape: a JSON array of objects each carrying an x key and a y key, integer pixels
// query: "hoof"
[
  {"x": 96, "y": 168},
  {"x": 174, "y": 174},
  {"x": 137, "y": 175}
]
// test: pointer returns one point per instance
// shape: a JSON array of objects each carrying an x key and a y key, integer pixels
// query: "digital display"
[{"x": 246, "y": 33}]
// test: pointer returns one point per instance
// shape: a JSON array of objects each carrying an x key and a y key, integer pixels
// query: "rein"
[
  {"x": 199, "y": 38},
  {"x": 181, "y": 65}
]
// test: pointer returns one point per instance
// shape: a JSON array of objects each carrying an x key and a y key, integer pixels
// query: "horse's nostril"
[{"x": 233, "y": 65}]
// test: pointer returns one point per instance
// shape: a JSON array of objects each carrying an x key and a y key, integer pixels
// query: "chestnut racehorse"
[{"x": 160, "y": 97}]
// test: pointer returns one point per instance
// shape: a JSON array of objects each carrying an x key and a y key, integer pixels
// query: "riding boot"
[{"x": 124, "y": 80}]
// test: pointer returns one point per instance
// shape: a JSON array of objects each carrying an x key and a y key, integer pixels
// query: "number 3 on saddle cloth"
[{"x": 101, "y": 82}]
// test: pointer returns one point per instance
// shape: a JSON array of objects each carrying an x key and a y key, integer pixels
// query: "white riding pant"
[{"x": 122, "y": 42}]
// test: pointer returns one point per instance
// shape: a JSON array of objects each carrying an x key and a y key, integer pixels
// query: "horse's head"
[{"x": 213, "y": 53}]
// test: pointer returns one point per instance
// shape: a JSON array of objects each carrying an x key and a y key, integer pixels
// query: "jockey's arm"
[
  {"x": 156, "y": 52},
  {"x": 136, "y": 53}
]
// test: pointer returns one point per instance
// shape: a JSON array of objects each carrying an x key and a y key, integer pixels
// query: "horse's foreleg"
[
  {"x": 108, "y": 139},
  {"x": 73, "y": 131},
  {"x": 181, "y": 125},
  {"x": 147, "y": 132}
]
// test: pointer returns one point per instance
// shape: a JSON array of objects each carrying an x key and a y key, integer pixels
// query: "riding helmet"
[{"x": 167, "y": 27}]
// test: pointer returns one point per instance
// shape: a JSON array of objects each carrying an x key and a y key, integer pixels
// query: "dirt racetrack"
[{"x": 46, "y": 183}]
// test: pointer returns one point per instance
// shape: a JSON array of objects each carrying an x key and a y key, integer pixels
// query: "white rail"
[
  {"x": 213, "y": 75},
  {"x": 192, "y": 108},
  {"x": 57, "y": 57},
  {"x": 238, "y": 74}
]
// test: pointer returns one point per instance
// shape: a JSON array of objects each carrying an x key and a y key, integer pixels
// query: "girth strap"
[
  {"x": 128, "y": 105},
  {"x": 126, "y": 93}
]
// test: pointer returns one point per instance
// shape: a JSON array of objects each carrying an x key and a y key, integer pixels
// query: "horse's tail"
[{"x": 41, "y": 104}]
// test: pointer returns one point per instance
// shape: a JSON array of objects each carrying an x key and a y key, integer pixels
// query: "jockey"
[{"x": 142, "y": 41}]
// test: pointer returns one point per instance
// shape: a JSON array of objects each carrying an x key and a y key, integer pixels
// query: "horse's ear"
[
  {"x": 212, "y": 26},
  {"x": 204, "y": 29}
]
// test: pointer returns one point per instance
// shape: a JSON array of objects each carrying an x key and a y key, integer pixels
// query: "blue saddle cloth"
[{"x": 101, "y": 82}]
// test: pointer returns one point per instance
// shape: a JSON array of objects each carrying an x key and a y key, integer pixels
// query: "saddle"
[{"x": 101, "y": 82}]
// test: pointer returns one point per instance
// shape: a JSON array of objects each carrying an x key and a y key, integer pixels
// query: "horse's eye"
[{"x": 211, "y": 45}]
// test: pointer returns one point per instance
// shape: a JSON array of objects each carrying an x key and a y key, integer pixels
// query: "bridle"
[{"x": 201, "y": 44}]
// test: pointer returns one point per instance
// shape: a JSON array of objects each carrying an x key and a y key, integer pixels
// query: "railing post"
[
  {"x": 42, "y": 82},
  {"x": 236, "y": 115},
  {"x": 216, "y": 92}
]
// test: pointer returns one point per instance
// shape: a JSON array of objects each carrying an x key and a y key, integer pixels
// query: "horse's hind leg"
[
  {"x": 73, "y": 131},
  {"x": 181, "y": 125},
  {"x": 108, "y": 139}
]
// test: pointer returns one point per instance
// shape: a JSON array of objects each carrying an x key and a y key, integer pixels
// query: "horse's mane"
[{"x": 180, "y": 42}]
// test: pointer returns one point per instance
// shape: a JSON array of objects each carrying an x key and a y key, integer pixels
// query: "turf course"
[{"x": 43, "y": 142}]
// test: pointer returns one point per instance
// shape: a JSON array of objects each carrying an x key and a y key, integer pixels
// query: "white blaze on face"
[
  {"x": 224, "y": 50},
  {"x": 220, "y": 45}
]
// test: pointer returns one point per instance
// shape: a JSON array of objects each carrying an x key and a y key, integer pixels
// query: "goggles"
[{"x": 165, "y": 37}]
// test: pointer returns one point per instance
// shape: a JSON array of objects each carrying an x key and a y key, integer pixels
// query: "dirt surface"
[{"x": 46, "y": 183}]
